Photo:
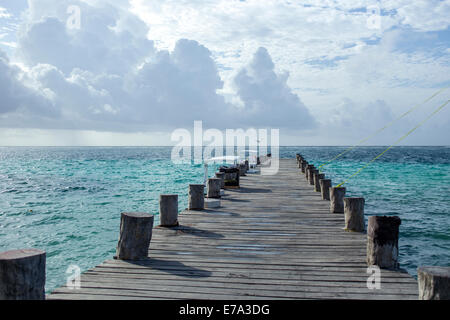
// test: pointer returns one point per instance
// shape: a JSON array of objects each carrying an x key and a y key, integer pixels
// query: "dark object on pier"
[
  {"x": 221, "y": 175},
  {"x": 168, "y": 210},
  {"x": 354, "y": 214},
  {"x": 312, "y": 172},
  {"x": 242, "y": 169},
  {"x": 309, "y": 167},
  {"x": 325, "y": 185},
  {"x": 213, "y": 188},
  {"x": 196, "y": 197},
  {"x": 337, "y": 195},
  {"x": 303, "y": 165},
  {"x": 434, "y": 283},
  {"x": 231, "y": 176},
  {"x": 22, "y": 275},
  {"x": 317, "y": 178},
  {"x": 135, "y": 236},
  {"x": 382, "y": 241}
]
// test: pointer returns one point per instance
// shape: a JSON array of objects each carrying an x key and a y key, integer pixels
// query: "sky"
[{"x": 97, "y": 72}]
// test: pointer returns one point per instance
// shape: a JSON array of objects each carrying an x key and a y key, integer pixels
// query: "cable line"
[
  {"x": 398, "y": 141},
  {"x": 385, "y": 127}
]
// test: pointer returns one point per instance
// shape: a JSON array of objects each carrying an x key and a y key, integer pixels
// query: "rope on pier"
[
  {"x": 385, "y": 127},
  {"x": 397, "y": 142}
]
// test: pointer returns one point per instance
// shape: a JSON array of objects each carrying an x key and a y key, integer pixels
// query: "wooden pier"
[{"x": 274, "y": 238}]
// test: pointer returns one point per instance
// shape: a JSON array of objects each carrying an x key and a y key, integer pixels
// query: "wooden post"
[
  {"x": 22, "y": 275},
  {"x": 309, "y": 167},
  {"x": 382, "y": 241},
  {"x": 168, "y": 210},
  {"x": 196, "y": 197},
  {"x": 325, "y": 185},
  {"x": 311, "y": 176},
  {"x": 337, "y": 195},
  {"x": 303, "y": 166},
  {"x": 434, "y": 283},
  {"x": 317, "y": 178},
  {"x": 354, "y": 214},
  {"x": 213, "y": 188},
  {"x": 135, "y": 236},
  {"x": 242, "y": 169},
  {"x": 221, "y": 176}
]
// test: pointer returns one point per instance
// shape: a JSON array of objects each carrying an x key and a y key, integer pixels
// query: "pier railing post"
[
  {"x": 337, "y": 195},
  {"x": 309, "y": 167},
  {"x": 22, "y": 274},
  {"x": 221, "y": 176},
  {"x": 317, "y": 177},
  {"x": 354, "y": 214},
  {"x": 303, "y": 166},
  {"x": 325, "y": 185},
  {"x": 312, "y": 172},
  {"x": 196, "y": 197},
  {"x": 135, "y": 236},
  {"x": 382, "y": 241},
  {"x": 242, "y": 169},
  {"x": 213, "y": 188},
  {"x": 434, "y": 283},
  {"x": 168, "y": 210}
]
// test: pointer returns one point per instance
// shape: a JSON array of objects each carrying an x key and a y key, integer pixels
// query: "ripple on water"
[{"x": 77, "y": 194}]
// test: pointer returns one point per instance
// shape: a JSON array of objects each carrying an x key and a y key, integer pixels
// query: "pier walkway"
[{"x": 274, "y": 238}]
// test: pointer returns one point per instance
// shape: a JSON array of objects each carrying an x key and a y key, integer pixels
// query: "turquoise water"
[{"x": 67, "y": 201}]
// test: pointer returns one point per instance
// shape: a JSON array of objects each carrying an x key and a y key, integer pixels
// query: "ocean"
[{"x": 67, "y": 200}]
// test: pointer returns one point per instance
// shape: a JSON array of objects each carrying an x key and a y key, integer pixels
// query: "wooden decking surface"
[{"x": 272, "y": 239}]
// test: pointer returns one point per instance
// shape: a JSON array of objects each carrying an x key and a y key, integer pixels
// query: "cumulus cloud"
[
  {"x": 108, "y": 76},
  {"x": 17, "y": 96},
  {"x": 145, "y": 66},
  {"x": 267, "y": 97}
]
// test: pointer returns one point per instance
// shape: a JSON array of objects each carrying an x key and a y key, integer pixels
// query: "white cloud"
[
  {"x": 107, "y": 76},
  {"x": 4, "y": 13},
  {"x": 122, "y": 73},
  {"x": 267, "y": 97},
  {"x": 16, "y": 96}
]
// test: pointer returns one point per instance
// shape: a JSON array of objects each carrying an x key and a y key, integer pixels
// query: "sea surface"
[{"x": 67, "y": 200}]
